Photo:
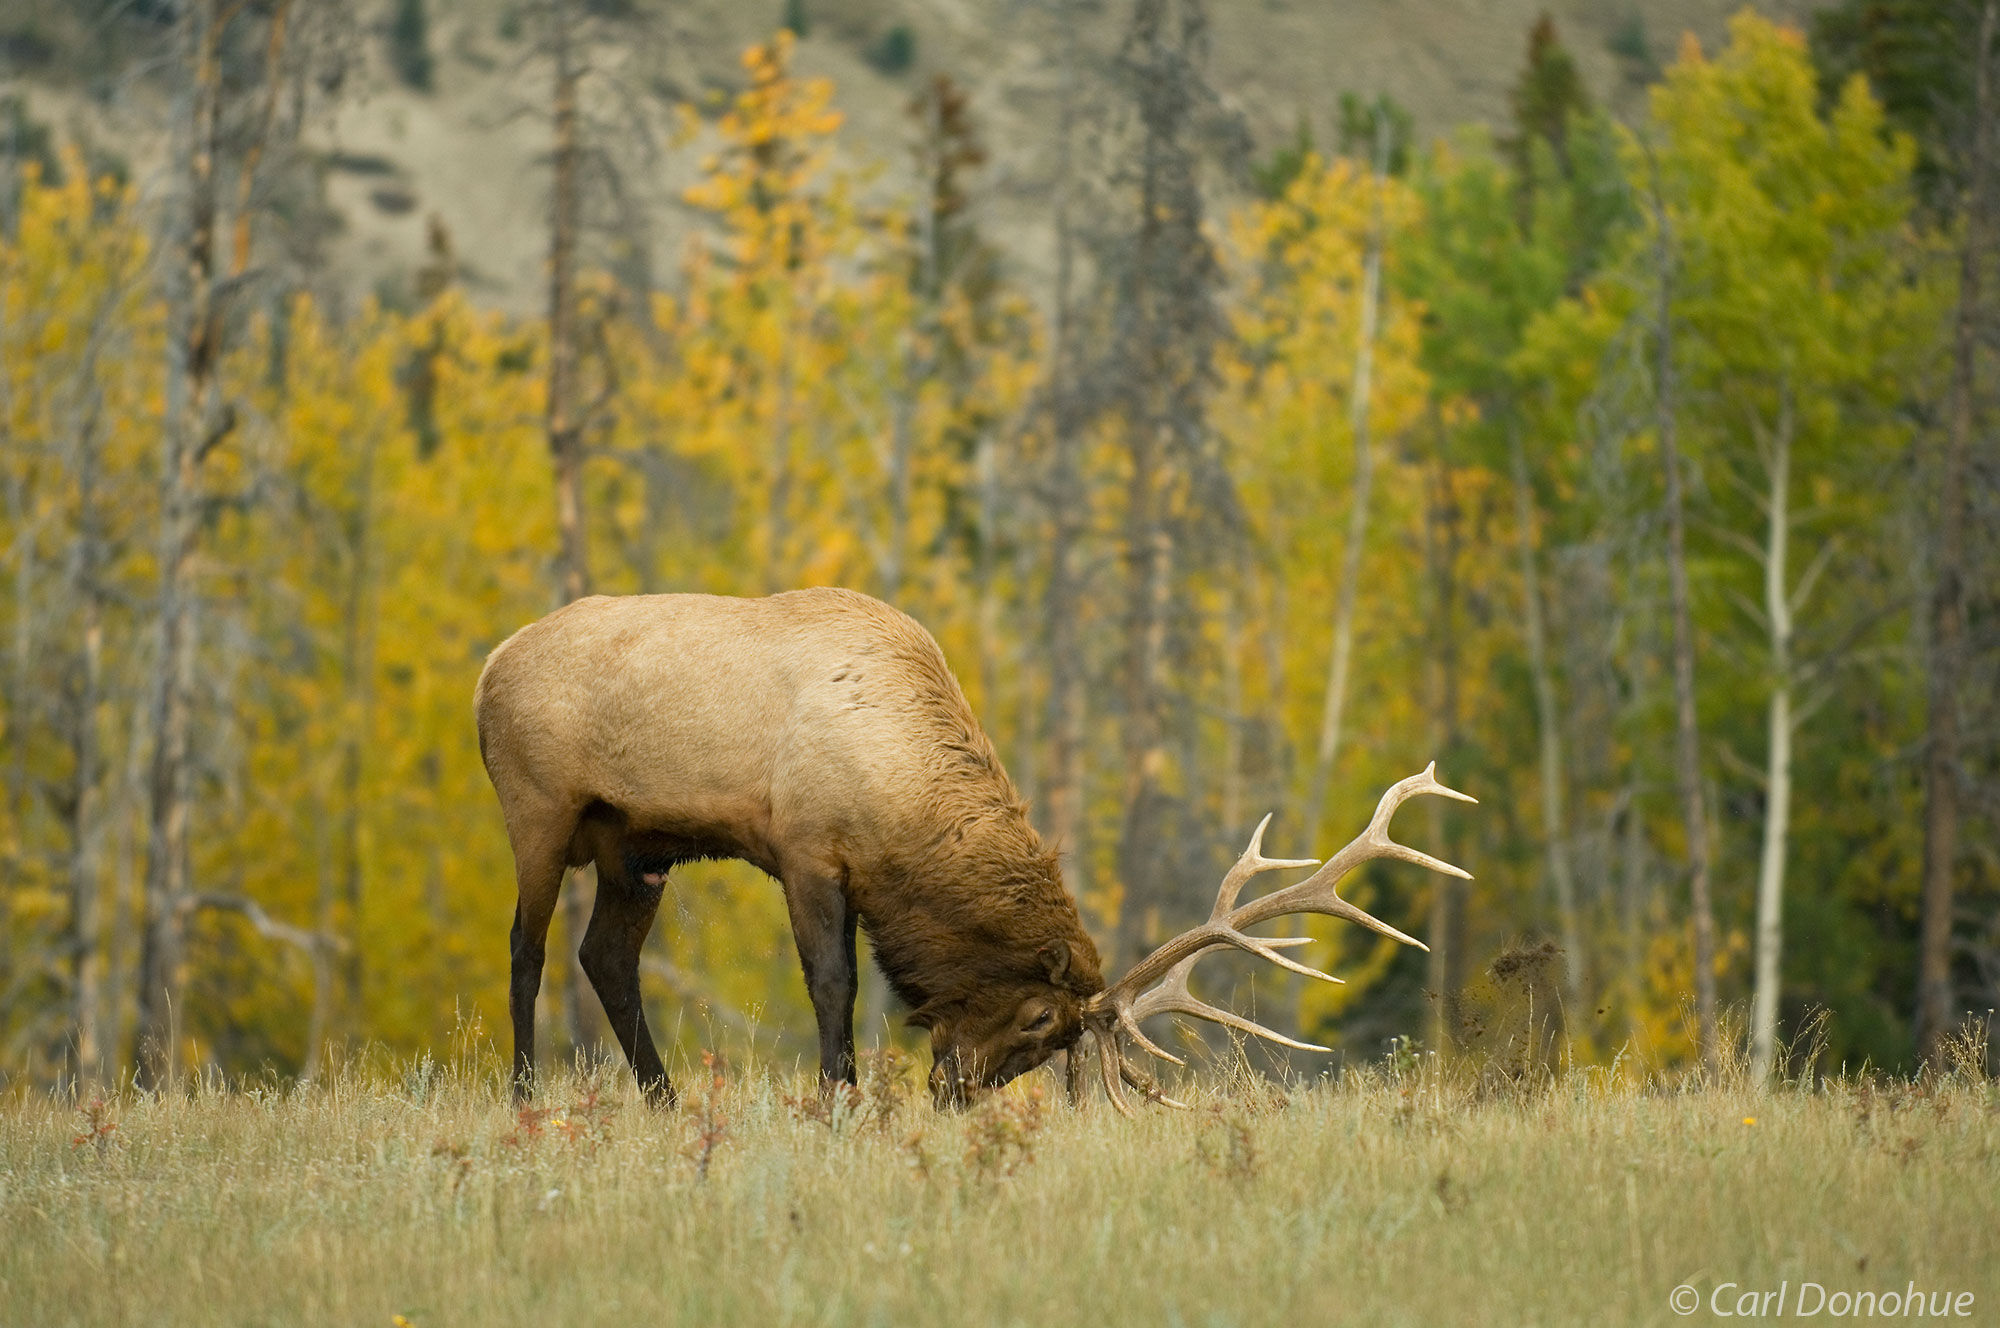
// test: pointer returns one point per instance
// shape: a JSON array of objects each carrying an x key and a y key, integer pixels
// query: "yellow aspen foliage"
[
  {"x": 765, "y": 327},
  {"x": 1288, "y": 423}
]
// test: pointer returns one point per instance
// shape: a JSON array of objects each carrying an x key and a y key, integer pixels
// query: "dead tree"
[
  {"x": 88, "y": 592},
  {"x": 1063, "y": 496},
  {"x": 1157, "y": 380},
  {"x": 564, "y": 422},
  {"x": 196, "y": 423},
  {"x": 1943, "y": 754},
  {"x": 216, "y": 126},
  {"x": 589, "y": 49}
]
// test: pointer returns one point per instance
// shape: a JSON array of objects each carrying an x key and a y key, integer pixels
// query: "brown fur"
[{"x": 820, "y": 735}]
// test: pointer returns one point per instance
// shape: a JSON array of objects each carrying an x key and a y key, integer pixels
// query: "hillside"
[{"x": 470, "y": 151}]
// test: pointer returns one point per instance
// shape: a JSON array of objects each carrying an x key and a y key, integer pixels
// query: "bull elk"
[{"x": 819, "y": 735}]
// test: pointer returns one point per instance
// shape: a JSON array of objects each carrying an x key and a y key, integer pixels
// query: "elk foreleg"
[
  {"x": 626, "y": 904},
  {"x": 823, "y": 924},
  {"x": 538, "y": 870}
]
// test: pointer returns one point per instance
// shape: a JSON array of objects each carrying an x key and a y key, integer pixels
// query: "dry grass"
[{"x": 1397, "y": 1197}]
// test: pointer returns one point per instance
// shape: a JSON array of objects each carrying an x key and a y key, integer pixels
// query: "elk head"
[
  {"x": 1012, "y": 1028},
  {"x": 1158, "y": 984}
]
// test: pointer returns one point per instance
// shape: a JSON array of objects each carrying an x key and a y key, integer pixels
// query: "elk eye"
[{"x": 1040, "y": 1022}]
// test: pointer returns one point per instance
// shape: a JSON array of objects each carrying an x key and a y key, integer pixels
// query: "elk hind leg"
[{"x": 629, "y": 886}]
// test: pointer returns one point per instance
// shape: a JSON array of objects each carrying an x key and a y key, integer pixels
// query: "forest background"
[{"x": 1639, "y": 466}]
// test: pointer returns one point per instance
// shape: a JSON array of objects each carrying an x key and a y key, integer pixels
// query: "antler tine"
[
  {"x": 1109, "y": 1065},
  {"x": 1220, "y": 929},
  {"x": 1118, "y": 1072},
  {"x": 1146, "y": 1084},
  {"x": 1129, "y": 1025},
  {"x": 1173, "y": 997},
  {"x": 1252, "y": 863},
  {"x": 1319, "y": 893},
  {"x": 1263, "y": 949}
]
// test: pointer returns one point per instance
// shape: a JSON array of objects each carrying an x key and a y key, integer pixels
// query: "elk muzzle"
[{"x": 952, "y": 1087}]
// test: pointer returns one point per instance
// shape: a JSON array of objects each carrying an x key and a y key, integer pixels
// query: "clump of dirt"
[
  {"x": 1523, "y": 963},
  {"x": 1508, "y": 1023}
]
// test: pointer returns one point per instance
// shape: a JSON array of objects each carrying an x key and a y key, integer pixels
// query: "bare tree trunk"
[
  {"x": 10, "y": 181},
  {"x": 987, "y": 570},
  {"x": 319, "y": 1020},
  {"x": 358, "y": 674},
  {"x": 1027, "y": 764},
  {"x": 14, "y": 719},
  {"x": 1778, "y": 772},
  {"x": 564, "y": 428},
  {"x": 1165, "y": 329},
  {"x": 901, "y": 444},
  {"x": 1068, "y": 770},
  {"x": 778, "y": 569},
  {"x": 565, "y": 431},
  {"x": 1936, "y": 1002},
  {"x": 127, "y": 881},
  {"x": 1063, "y": 599},
  {"x": 1555, "y": 832},
  {"x": 20, "y": 514},
  {"x": 1233, "y": 634},
  {"x": 1445, "y": 965},
  {"x": 919, "y": 361},
  {"x": 1687, "y": 734},
  {"x": 86, "y": 923},
  {"x": 1357, "y": 515},
  {"x": 1632, "y": 899},
  {"x": 1150, "y": 550},
  {"x": 192, "y": 425},
  {"x": 1271, "y": 646},
  {"x": 253, "y": 154}
]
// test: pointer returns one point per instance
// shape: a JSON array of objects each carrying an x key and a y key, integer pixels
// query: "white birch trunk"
[{"x": 1778, "y": 773}]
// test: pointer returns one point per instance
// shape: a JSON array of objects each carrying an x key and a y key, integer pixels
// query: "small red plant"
[
  {"x": 587, "y": 1123},
  {"x": 711, "y": 1126},
  {"x": 98, "y": 1126},
  {"x": 528, "y": 1126}
]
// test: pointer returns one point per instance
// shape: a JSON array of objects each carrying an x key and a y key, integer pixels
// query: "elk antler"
[{"x": 1158, "y": 984}]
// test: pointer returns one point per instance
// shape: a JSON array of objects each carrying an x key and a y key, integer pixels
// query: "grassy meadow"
[{"x": 1398, "y": 1195}]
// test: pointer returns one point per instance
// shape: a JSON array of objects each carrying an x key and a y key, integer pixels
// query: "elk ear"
[{"x": 1055, "y": 958}]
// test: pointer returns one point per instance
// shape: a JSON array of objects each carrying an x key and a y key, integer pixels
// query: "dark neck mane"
[
  {"x": 969, "y": 896},
  {"x": 974, "y": 910}
]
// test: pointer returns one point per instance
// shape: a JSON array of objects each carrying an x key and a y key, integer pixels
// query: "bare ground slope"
[{"x": 472, "y": 151}]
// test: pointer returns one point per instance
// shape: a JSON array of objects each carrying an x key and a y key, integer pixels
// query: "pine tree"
[
  {"x": 410, "y": 44},
  {"x": 1544, "y": 101},
  {"x": 1162, "y": 286}
]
